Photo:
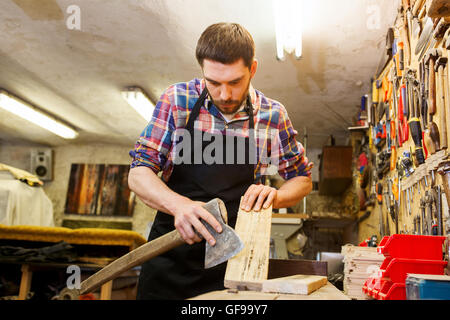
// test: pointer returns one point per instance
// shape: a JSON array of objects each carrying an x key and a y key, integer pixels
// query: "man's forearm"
[
  {"x": 292, "y": 191},
  {"x": 187, "y": 213},
  {"x": 152, "y": 190}
]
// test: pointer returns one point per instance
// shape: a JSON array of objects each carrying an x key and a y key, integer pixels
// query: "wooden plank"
[
  {"x": 25, "y": 282},
  {"x": 105, "y": 291},
  {"x": 297, "y": 284},
  {"x": 250, "y": 266}
]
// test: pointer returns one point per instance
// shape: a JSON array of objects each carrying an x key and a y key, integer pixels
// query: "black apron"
[{"x": 180, "y": 273}]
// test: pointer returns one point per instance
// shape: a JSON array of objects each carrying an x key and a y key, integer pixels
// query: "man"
[{"x": 221, "y": 103}]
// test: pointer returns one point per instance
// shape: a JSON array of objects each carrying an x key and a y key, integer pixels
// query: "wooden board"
[
  {"x": 297, "y": 284},
  {"x": 359, "y": 264},
  {"x": 251, "y": 265},
  {"x": 327, "y": 292},
  {"x": 279, "y": 268}
]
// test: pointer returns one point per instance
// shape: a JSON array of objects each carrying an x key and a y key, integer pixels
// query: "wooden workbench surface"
[{"x": 327, "y": 292}]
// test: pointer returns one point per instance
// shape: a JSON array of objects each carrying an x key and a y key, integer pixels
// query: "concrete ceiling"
[{"x": 78, "y": 74}]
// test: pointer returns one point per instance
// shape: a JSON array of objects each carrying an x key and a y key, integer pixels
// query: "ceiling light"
[
  {"x": 34, "y": 115},
  {"x": 288, "y": 27},
  {"x": 137, "y": 98}
]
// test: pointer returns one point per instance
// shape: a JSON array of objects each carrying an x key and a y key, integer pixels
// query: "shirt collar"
[{"x": 252, "y": 91}]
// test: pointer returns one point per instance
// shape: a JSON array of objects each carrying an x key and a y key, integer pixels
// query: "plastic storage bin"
[
  {"x": 412, "y": 247},
  {"x": 404, "y": 254},
  {"x": 427, "y": 287}
]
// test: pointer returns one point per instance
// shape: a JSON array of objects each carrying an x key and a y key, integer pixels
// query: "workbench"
[
  {"x": 85, "y": 240},
  {"x": 327, "y": 292},
  {"x": 279, "y": 268}
]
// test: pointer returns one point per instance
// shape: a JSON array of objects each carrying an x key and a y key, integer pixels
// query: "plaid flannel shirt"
[{"x": 154, "y": 149}]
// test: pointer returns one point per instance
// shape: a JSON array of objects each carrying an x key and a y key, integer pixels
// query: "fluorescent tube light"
[
  {"x": 28, "y": 112},
  {"x": 137, "y": 98},
  {"x": 288, "y": 27}
]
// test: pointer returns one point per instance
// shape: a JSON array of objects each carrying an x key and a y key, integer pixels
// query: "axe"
[{"x": 228, "y": 244}]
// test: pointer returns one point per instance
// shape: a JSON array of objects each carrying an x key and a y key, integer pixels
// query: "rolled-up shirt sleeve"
[
  {"x": 292, "y": 160},
  {"x": 154, "y": 144}
]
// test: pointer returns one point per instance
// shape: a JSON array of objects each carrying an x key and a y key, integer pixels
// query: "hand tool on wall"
[
  {"x": 430, "y": 60},
  {"x": 406, "y": 47},
  {"x": 383, "y": 163},
  {"x": 447, "y": 42},
  {"x": 407, "y": 16},
  {"x": 414, "y": 121},
  {"x": 424, "y": 36},
  {"x": 228, "y": 244},
  {"x": 441, "y": 63},
  {"x": 388, "y": 126},
  {"x": 438, "y": 202},
  {"x": 433, "y": 204},
  {"x": 444, "y": 172},
  {"x": 428, "y": 212},
  {"x": 438, "y": 8},
  {"x": 380, "y": 202},
  {"x": 407, "y": 163},
  {"x": 437, "y": 35},
  {"x": 422, "y": 210},
  {"x": 400, "y": 59},
  {"x": 417, "y": 5},
  {"x": 396, "y": 192},
  {"x": 403, "y": 117},
  {"x": 387, "y": 230},
  {"x": 435, "y": 137},
  {"x": 387, "y": 54}
]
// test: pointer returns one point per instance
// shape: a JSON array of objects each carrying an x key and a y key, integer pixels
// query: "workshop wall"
[
  {"x": 63, "y": 156},
  {"x": 403, "y": 132}
]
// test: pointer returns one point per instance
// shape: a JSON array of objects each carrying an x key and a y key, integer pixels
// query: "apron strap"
[
  {"x": 200, "y": 101},
  {"x": 196, "y": 110}
]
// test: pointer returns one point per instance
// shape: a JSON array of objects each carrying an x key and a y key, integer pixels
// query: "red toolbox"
[{"x": 404, "y": 254}]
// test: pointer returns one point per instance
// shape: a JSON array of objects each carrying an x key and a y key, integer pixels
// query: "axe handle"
[
  {"x": 406, "y": 48},
  {"x": 417, "y": 6},
  {"x": 132, "y": 259},
  {"x": 443, "y": 96},
  {"x": 432, "y": 89},
  {"x": 435, "y": 136}
]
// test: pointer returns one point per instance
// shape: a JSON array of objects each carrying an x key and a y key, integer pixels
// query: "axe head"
[{"x": 228, "y": 243}]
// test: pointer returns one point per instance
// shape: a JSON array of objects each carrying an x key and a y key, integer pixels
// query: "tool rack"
[{"x": 405, "y": 129}]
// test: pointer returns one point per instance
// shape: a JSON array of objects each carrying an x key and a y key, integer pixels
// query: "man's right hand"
[{"x": 187, "y": 217}]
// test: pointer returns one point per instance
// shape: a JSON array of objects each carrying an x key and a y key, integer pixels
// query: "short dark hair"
[{"x": 225, "y": 43}]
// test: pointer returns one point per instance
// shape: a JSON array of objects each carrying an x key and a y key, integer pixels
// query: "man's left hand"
[{"x": 258, "y": 196}]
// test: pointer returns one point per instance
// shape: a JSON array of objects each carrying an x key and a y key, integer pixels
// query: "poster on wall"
[{"x": 99, "y": 189}]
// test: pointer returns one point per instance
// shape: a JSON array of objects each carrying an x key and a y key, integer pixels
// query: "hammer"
[
  {"x": 441, "y": 63},
  {"x": 432, "y": 135},
  {"x": 228, "y": 244},
  {"x": 430, "y": 60}
]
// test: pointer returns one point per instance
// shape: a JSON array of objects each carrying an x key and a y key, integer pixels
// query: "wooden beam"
[{"x": 250, "y": 266}]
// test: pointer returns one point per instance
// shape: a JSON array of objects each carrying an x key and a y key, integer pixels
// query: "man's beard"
[{"x": 237, "y": 103}]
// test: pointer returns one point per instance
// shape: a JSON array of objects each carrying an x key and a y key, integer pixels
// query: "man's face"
[{"x": 228, "y": 84}]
